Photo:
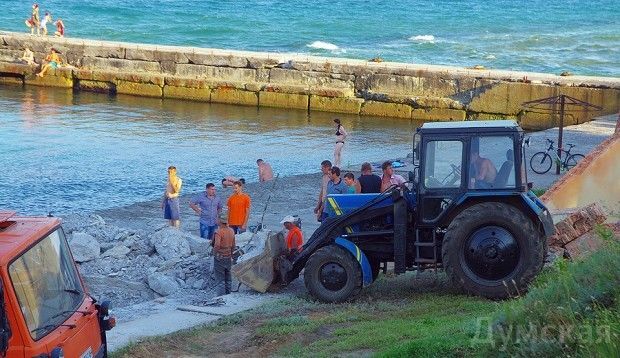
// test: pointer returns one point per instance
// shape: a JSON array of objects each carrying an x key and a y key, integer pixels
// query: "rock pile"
[{"x": 128, "y": 266}]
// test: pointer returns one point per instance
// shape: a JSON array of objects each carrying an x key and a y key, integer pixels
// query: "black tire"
[
  {"x": 541, "y": 162},
  {"x": 332, "y": 275},
  {"x": 492, "y": 250},
  {"x": 573, "y": 160}
]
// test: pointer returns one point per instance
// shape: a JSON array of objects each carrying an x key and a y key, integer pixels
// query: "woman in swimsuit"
[
  {"x": 341, "y": 134},
  {"x": 33, "y": 22},
  {"x": 53, "y": 61},
  {"x": 60, "y": 28},
  {"x": 170, "y": 201}
]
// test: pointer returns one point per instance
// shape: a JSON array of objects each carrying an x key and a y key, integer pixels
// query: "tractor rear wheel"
[
  {"x": 492, "y": 250},
  {"x": 332, "y": 275}
]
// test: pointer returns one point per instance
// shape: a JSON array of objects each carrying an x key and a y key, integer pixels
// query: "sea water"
[
  {"x": 64, "y": 152},
  {"x": 582, "y": 37}
]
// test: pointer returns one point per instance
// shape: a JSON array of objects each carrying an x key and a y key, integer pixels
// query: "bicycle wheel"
[
  {"x": 573, "y": 160},
  {"x": 541, "y": 162}
]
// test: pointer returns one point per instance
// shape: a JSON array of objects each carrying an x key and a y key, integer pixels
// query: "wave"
[
  {"x": 322, "y": 45},
  {"x": 423, "y": 39}
]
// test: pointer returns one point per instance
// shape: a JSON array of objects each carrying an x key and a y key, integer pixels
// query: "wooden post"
[{"x": 557, "y": 167}]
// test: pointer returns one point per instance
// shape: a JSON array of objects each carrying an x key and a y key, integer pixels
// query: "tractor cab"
[{"x": 459, "y": 161}]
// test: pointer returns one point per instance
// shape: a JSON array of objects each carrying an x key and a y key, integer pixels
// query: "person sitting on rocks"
[
  {"x": 60, "y": 28},
  {"x": 28, "y": 57},
  {"x": 53, "y": 60}
]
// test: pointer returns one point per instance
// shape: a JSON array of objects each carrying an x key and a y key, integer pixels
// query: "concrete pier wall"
[{"x": 396, "y": 90}]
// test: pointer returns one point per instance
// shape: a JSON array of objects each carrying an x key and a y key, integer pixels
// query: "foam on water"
[
  {"x": 423, "y": 39},
  {"x": 322, "y": 45}
]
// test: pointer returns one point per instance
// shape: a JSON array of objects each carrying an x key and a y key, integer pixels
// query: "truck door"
[
  {"x": 6, "y": 349},
  {"x": 441, "y": 179}
]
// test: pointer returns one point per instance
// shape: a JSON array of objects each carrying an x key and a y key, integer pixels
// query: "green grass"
[{"x": 573, "y": 309}]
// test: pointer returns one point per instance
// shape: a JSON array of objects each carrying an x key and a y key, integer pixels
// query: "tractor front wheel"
[
  {"x": 492, "y": 250},
  {"x": 332, "y": 275}
]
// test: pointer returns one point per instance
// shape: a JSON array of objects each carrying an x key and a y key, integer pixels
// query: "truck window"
[
  {"x": 492, "y": 163},
  {"x": 47, "y": 284},
  {"x": 442, "y": 165}
]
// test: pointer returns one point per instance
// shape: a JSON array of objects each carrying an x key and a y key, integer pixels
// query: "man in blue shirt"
[
  {"x": 207, "y": 206},
  {"x": 334, "y": 186}
]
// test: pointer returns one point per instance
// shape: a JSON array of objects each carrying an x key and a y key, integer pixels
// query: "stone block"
[
  {"x": 234, "y": 96},
  {"x": 16, "y": 68},
  {"x": 146, "y": 78},
  {"x": 146, "y": 54},
  {"x": 18, "y": 81},
  {"x": 283, "y": 100},
  {"x": 220, "y": 73},
  {"x": 122, "y": 65},
  {"x": 489, "y": 116},
  {"x": 207, "y": 59},
  {"x": 92, "y": 50},
  {"x": 336, "y": 104},
  {"x": 138, "y": 89},
  {"x": 54, "y": 78},
  {"x": 438, "y": 114},
  {"x": 261, "y": 62},
  {"x": 96, "y": 86},
  {"x": 536, "y": 121},
  {"x": 186, "y": 82},
  {"x": 297, "y": 89},
  {"x": 508, "y": 97},
  {"x": 7, "y": 55},
  {"x": 435, "y": 102},
  {"x": 384, "y": 109},
  {"x": 313, "y": 79},
  {"x": 392, "y": 84},
  {"x": 194, "y": 94}
]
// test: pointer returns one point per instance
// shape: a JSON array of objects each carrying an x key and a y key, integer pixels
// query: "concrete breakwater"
[{"x": 398, "y": 90}]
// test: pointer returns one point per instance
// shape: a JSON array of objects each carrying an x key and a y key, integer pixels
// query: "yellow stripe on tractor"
[{"x": 338, "y": 212}]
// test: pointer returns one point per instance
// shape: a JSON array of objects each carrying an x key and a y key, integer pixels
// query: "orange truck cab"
[{"x": 45, "y": 309}]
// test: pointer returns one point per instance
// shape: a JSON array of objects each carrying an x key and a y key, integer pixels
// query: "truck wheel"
[
  {"x": 492, "y": 250},
  {"x": 332, "y": 275}
]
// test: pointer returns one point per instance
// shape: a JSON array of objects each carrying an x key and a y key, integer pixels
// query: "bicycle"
[{"x": 541, "y": 162}]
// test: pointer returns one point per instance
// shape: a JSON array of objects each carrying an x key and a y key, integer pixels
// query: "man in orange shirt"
[
  {"x": 238, "y": 209},
  {"x": 295, "y": 239}
]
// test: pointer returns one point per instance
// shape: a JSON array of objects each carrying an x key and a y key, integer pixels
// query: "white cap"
[{"x": 288, "y": 219}]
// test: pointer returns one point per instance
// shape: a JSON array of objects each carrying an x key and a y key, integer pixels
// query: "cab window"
[
  {"x": 47, "y": 284},
  {"x": 491, "y": 163},
  {"x": 442, "y": 165}
]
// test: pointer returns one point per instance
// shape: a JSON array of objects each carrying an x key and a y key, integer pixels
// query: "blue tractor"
[{"x": 467, "y": 208}]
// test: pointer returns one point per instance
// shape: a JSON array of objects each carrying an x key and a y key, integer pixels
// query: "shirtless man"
[
  {"x": 265, "y": 173},
  {"x": 484, "y": 172}
]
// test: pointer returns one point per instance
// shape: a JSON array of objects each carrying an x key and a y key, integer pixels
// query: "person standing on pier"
[
  {"x": 170, "y": 202},
  {"x": 341, "y": 134},
  {"x": 34, "y": 21},
  {"x": 47, "y": 18}
]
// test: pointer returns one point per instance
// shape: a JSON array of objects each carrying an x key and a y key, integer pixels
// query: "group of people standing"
[
  {"x": 40, "y": 26},
  {"x": 367, "y": 182}
]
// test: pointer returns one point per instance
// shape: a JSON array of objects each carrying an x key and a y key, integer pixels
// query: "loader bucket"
[{"x": 258, "y": 272}]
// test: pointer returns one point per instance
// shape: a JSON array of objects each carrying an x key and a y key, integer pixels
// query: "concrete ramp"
[{"x": 596, "y": 179}]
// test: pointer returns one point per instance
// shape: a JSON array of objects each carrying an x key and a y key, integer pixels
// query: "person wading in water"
[{"x": 341, "y": 134}]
